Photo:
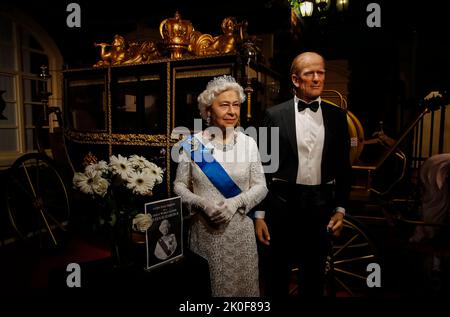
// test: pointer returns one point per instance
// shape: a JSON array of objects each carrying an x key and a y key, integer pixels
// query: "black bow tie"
[{"x": 303, "y": 105}]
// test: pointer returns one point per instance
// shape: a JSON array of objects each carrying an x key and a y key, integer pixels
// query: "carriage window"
[
  {"x": 137, "y": 104},
  {"x": 87, "y": 103}
]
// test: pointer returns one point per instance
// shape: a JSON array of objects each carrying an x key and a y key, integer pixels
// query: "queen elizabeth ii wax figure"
[{"x": 220, "y": 179}]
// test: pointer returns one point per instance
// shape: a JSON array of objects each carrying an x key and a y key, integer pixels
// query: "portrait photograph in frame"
[{"x": 164, "y": 243}]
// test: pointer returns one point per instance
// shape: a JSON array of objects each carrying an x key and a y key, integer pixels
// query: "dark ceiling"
[
  {"x": 403, "y": 59},
  {"x": 336, "y": 36}
]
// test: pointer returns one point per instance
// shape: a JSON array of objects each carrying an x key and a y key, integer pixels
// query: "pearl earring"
[{"x": 208, "y": 120}]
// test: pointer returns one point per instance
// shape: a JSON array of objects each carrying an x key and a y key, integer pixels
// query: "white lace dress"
[{"x": 230, "y": 249}]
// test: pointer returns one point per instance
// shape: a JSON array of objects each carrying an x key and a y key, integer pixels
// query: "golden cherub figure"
[
  {"x": 205, "y": 44},
  {"x": 226, "y": 43},
  {"x": 120, "y": 53},
  {"x": 115, "y": 55}
]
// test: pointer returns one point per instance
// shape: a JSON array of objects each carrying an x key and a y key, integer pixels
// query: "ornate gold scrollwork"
[
  {"x": 117, "y": 139},
  {"x": 179, "y": 37},
  {"x": 121, "y": 53},
  {"x": 90, "y": 158}
]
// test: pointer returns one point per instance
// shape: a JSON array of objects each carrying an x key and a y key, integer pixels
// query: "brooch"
[{"x": 194, "y": 144}]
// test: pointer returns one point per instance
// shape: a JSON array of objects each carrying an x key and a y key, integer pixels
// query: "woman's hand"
[
  {"x": 209, "y": 207},
  {"x": 225, "y": 213}
]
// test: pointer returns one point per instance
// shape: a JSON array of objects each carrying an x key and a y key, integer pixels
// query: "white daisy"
[
  {"x": 101, "y": 167},
  {"x": 86, "y": 181},
  {"x": 121, "y": 166},
  {"x": 156, "y": 172},
  {"x": 141, "y": 183}
]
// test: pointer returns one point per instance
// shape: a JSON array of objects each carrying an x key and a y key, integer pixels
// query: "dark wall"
[{"x": 391, "y": 67}]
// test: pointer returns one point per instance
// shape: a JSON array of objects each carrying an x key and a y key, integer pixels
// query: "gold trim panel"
[
  {"x": 134, "y": 79},
  {"x": 202, "y": 73},
  {"x": 117, "y": 139}
]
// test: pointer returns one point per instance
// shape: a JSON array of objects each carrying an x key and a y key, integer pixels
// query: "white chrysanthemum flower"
[
  {"x": 86, "y": 181},
  {"x": 140, "y": 182},
  {"x": 121, "y": 166},
  {"x": 101, "y": 167},
  {"x": 100, "y": 185},
  {"x": 156, "y": 172},
  {"x": 142, "y": 222}
]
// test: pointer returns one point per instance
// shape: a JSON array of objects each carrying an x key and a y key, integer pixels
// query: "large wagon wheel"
[
  {"x": 346, "y": 266},
  {"x": 37, "y": 200}
]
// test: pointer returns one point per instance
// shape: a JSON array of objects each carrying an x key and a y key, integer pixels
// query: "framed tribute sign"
[{"x": 164, "y": 239}]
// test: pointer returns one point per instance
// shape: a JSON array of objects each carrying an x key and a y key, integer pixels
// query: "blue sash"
[{"x": 210, "y": 167}]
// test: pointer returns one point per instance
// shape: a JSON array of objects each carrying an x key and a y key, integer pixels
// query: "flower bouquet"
[{"x": 120, "y": 188}]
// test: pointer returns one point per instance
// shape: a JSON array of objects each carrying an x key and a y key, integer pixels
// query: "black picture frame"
[{"x": 164, "y": 238}]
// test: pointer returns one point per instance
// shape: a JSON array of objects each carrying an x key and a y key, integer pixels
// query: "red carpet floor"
[{"x": 23, "y": 266}]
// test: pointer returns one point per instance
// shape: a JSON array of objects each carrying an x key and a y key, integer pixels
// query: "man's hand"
[
  {"x": 336, "y": 223},
  {"x": 262, "y": 232}
]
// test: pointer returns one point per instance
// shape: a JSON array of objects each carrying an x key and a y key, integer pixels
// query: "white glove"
[
  {"x": 225, "y": 213},
  {"x": 142, "y": 222},
  {"x": 209, "y": 207}
]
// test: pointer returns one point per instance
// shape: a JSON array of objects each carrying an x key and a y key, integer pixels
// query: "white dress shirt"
[{"x": 310, "y": 134}]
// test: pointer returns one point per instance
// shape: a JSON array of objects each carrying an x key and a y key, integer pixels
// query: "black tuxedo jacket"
[{"x": 336, "y": 150}]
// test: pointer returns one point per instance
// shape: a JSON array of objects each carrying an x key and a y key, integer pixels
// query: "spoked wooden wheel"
[
  {"x": 346, "y": 266},
  {"x": 37, "y": 200}
]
